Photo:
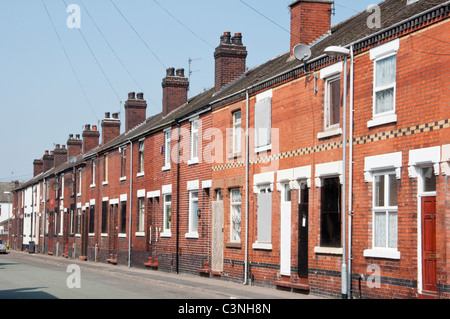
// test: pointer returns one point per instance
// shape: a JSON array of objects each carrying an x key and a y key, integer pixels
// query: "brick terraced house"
[{"x": 323, "y": 170}]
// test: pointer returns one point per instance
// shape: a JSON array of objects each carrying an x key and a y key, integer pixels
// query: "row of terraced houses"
[{"x": 324, "y": 170}]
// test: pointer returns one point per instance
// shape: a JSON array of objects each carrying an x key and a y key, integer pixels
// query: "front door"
[
  {"x": 429, "y": 244},
  {"x": 217, "y": 236},
  {"x": 84, "y": 232},
  {"x": 113, "y": 228},
  {"x": 303, "y": 232},
  {"x": 285, "y": 231}
]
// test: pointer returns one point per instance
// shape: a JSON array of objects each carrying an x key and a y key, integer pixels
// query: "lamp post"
[
  {"x": 9, "y": 210},
  {"x": 337, "y": 51}
]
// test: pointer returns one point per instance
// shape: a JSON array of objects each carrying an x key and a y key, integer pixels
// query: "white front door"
[{"x": 285, "y": 231}]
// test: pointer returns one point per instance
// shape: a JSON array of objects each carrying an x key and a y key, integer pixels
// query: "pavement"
[{"x": 218, "y": 287}]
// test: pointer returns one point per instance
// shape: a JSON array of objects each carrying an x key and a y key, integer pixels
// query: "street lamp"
[
  {"x": 9, "y": 209},
  {"x": 337, "y": 51}
]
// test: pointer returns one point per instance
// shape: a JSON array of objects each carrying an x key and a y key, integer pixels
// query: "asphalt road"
[{"x": 29, "y": 276}]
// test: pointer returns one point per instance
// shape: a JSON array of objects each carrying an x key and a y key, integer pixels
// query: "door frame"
[
  {"x": 420, "y": 195},
  {"x": 285, "y": 234}
]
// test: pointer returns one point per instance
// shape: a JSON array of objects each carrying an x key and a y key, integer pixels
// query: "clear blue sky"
[{"x": 41, "y": 101}]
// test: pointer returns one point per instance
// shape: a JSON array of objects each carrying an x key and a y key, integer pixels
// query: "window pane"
[
  {"x": 380, "y": 230},
  {"x": 330, "y": 214},
  {"x": 384, "y": 101},
  {"x": 287, "y": 192},
  {"x": 386, "y": 71},
  {"x": 429, "y": 179},
  {"x": 194, "y": 208},
  {"x": 334, "y": 101},
  {"x": 392, "y": 190},
  {"x": 236, "y": 222},
  {"x": 392, "y": 235},
  {"x": 379, "y": 191},
  {"x": 235, "y": 196}
]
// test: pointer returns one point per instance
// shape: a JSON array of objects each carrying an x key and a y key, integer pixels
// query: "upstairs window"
[
  {"x": 263, "y": 124},
  {"x": 332, "y": 102},
  {"x": 194, "y": 141},
  {"x": 236, "y": 132},
  {"x": 166, "y": 149},
  {"x": 141, "y": 157},
  {"x": 123, "y": 163},
  {"x": 384, "y": 59}
]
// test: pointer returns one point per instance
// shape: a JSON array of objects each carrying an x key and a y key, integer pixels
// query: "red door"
[{"x": 429, "y": 243}]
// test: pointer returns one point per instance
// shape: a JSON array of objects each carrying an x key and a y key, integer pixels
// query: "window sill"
[
  {"x": 330, "y": 133},
  {"x": 166, "y": 234},
  {"x": 236, "y": 245},
  {"x": 264, "y": 148},
  {"x": 140, "y": 174},
  {"x": 262, "y": 246},
  {"x": 233, "y": 156},
  {"x": 105, "y": 183},
  {"x": 122, "y": 235},
  {"x": 166, "y": 168},
  {"x": 123, "y": 179},
  {"x": 328, "y": 250},
  {"x": 104, "y": 235},
  {"x": 91, "y": 234},
  {"x": 193, "y": 235},
  {"x": 388, "y": 253},
  {"x": 92, "y": 185},
  {"x": 193, "y": 161},
  {"x": 139, "y": 234},
  {"x": 385, "y": 119}
]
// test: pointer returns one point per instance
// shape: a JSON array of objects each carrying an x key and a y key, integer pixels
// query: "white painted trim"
[
  {"x": 328, "y": 170},
  {"x": 166, "y": 189},
  {"x": 388, "y": 253},
  {"x": 141, "y": 193},
  {"x": 328, "y": 250},
  {"x": 123, "y": 197},
  {"x": 331, "y": 70},
  {"x": 382, "y": 119},
  {"x": 207, "y": 184},
  {"x": 193, "y": 185},
  {"x": 424, "y": 156},
  {"x": 445, "y": 166},
  {"x": 264, "y": 95},
  {"x": 154, "y": 194},
  {"x": 261, "y": 179},
  {"x": 382, "y": 162},
  {"x": 385, "y": 49},
  {"x": 262, "y": 246}
]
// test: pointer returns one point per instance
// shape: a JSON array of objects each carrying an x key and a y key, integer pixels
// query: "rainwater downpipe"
[
  {"x": 350, "y": 173},
  {"x": 130, "y": 203},
  {"x": 246, "y": 185},
  {"x": 344, "y": 270},
  {"x": 178, "y": 200}
]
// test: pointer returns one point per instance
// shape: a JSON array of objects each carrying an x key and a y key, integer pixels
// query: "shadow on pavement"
[{"x": 25, "y": 293}]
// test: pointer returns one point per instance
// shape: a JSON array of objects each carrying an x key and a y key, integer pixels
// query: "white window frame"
[
  {"x": 141, "y": 216},
  {"x": 93, "y": 173},
  {"x": 373, "y": 166},
  {"x": 386, "y": 209},
  {"x": 193, "y": 159},
  {"x": 237, "y": 132},
  {"x": 378, "y": 54},
  {"x": 232, "y": 208},
  {"x": 166, "y": 203},
  {"x": 327, "y": 103},
  {"x": 105, "y": 169},
  {"x": 167, "y": 142},
  {"x": 264, "y": 97},
  {"x": 141, "y": 158},
  {"x": 193, "y": 216}
]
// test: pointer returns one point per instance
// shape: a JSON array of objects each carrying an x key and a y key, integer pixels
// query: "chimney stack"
[
  {"x": 90, "y": 138},
  {"x": 60, "y": 155},
  {"x": 230, "y": 58},
  {"x": 48, "y": 161},
  {"x": 175, "y": 90},
  {"x": 110, "y": 127},
  {"x": 38, "y": 167},
  {"x": 310, "y": 19},
  {"x": 74, "y": 146},
  {"x": 135, "y": 110}
]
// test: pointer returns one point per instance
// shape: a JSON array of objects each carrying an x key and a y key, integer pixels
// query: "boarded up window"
[
  {"x": 263, "y": 122},
  {"x": 265, "y": 217}
]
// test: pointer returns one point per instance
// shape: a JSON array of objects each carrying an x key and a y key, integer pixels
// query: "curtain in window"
[{"x": 384, "y": 84}]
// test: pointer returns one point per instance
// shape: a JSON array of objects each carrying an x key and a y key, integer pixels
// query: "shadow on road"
[{"x": 25, "y": 293}]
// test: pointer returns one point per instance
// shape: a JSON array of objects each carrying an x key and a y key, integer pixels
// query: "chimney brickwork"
[
  {"x": 230, "y": 59},
  {"x": 135, "y": 110},
  {"x": 91, "y": 138},
  {"x": 175, "y": 90},
  {"x": 310, "y": 19},
  {"x": 110, "y": 127}
]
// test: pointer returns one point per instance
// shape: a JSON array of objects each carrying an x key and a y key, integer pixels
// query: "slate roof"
[{"x": 395, "y": 18}]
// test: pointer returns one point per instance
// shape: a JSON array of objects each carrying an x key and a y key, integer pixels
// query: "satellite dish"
[
  {"x": 72, "y": 159},
  {"x": 302, "y": 52}
]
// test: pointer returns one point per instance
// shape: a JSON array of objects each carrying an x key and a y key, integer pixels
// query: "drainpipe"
[
  {"x": 344, "y": 270},
  {"x": 178, "y": 200},
  {"x": 246, "y": 185},
  {"x": 350, "y": 173},
  {"x": 130, "y": 203}
]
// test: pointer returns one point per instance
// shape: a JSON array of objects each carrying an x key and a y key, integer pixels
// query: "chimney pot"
[
  {"x": 131, "y": 95},
  {"x": 115, "y": 115},
  {"x": 78, "y": 136},
  {"x": 140, "y": 96},
  {"x": 107, "y": 115},
  {"x": 170, "y": 72}
]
